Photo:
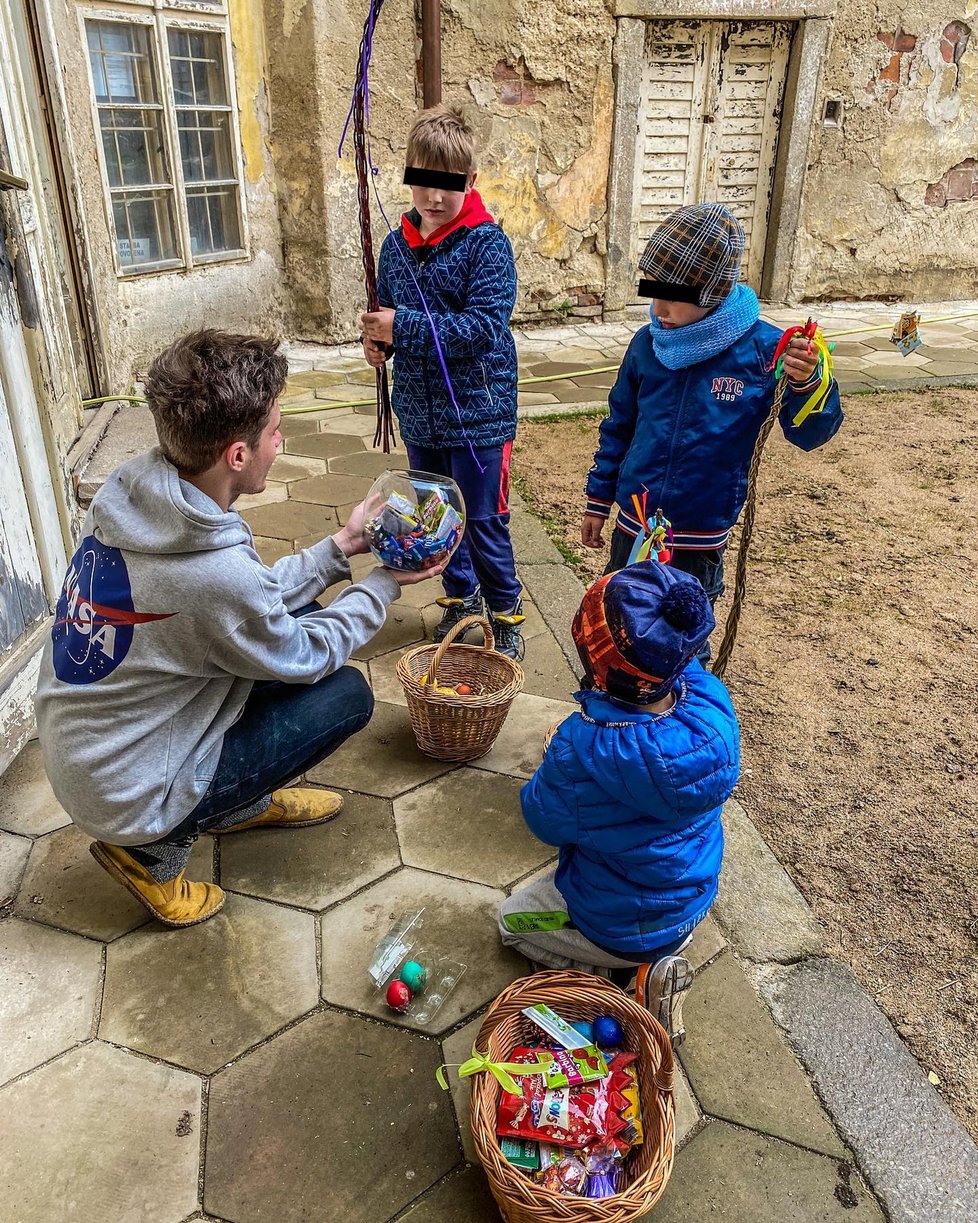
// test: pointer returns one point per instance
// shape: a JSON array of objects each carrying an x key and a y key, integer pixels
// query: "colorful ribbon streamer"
[{"x": 503, "y": 1072}]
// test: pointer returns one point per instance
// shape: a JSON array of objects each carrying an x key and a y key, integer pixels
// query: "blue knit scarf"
[{"x": 680, "y": 347}]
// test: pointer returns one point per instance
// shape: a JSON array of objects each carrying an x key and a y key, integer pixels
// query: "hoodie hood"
[
  {"x": 145, "y": 507},
  {"x": 472, "y": 215}
]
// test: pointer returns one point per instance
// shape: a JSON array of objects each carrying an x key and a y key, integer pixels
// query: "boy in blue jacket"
[
  {"x": 450, "y": 270},
  {"x": 693, "y": 391},
  {"x": 631, "y": 789}
]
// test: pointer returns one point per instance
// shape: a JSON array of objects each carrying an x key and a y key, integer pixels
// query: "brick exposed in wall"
[
  {"x": 958, "y": 185},
  {"x": 900, "y": 44},
  {"x": 954, "y": 41}
]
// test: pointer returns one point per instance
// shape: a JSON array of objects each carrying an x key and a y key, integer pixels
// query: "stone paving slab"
[
  {"x": 14, "y": 852},
  {"x": 27, "y": 802},
  {"x": 519, "y": 748},
  {"x": 65, "y": 887},
  {"x": 465, "y": 1198},
  {"x": 323, "y": 446},
  {"x": 383, "y": 759},
  {"x": 468, "y": 825},
  {"x": 291, "y": 520},
  {"x": 915, "y": 1153},
  {"x": 100, "y": 1135},
  {"x": 330, "y": 489},
  {"x": 49, "y": 988},
  {"x": 201, "y": 996},
  {"x": 403, "y": 628},
  {"x": 459, "y": 922},
  {"x": 336, "y": 1118},
  {"x": 314, "y": 867},
  {"x": 731, "y": 1174},
  {"x": 740, "y": 1067}
]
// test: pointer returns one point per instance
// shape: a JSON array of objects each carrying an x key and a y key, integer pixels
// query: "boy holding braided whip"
[{"x": 693, "y": 393}]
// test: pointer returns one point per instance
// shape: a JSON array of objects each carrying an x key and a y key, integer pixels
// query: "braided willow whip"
[
  {"x": 359, "y": 119},
  {"x": 746, "y": 531}
]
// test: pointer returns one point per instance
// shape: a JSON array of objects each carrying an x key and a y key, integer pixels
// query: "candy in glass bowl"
[{"x": 414, "y": 519}]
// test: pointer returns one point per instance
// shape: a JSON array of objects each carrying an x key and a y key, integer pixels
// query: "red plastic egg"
[{"x": 398, "y": 996}]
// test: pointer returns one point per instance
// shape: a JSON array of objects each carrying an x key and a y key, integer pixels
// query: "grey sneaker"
[
  {"x": 455, "y": 610},
  {"x": 662, "y": 988},
  {"x": 507, "y": 628}
]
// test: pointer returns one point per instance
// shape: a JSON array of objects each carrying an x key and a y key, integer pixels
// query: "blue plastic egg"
[
  {"x": 608, "y": 1032},
  {"x": 586, "y": 1029}
]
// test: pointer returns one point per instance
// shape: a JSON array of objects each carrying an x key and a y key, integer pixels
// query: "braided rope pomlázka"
[{"x": 746, "y": 531}]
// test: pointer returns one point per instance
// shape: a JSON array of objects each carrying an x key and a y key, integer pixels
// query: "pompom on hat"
[
  {"x": 638, "y": 628},
  {"x": 694, "y": 255}
]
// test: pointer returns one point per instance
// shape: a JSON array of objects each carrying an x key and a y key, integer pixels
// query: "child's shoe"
[
  {"x": 662, "y": 988},
  {"x": 507, "y": 628},
  {"x": 178, "y": 902},
  {"x": 456, "y": 610}
]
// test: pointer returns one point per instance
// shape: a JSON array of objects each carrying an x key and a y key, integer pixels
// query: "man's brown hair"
[
  {"x": 210, "y": 389},
  {"x": 441, "y": 139}
]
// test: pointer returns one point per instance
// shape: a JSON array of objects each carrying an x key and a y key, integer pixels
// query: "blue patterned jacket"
[{"x": 468, "y": 278}]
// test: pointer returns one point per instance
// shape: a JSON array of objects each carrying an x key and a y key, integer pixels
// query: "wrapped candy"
[
  {"x": 414, "y": 520},
  {"x": 602, "y": 1162},
  {"x": 568, "y": 1175}
]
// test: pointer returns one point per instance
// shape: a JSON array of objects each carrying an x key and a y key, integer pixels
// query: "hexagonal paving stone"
[
  {"x": 349, "y": 421},
  {"x": 459, "y": 923},
  {"x": 49, "y": 987},
  {"x": 200, "y": 996},
  {"x": 329, "y": 489},
  {"x": 314, "y": 867},
  {"x": 101, "y": 1134},
  {"x": 469, "y": 824},
  {"x": 546, "y": 669},
  {"x": 383, "y": 680},
  {"x": 383, "y": 759},
  {"x": 27, "y": 802},
  {"x": 456, "y": 1049},
  {"x": 323, "y": 445},
  {"x": 402, "y": 628},
  {"x": 314, "y": 378},
  {"x": 64, "y": 886},
  {"x": 290, "y": 467},
  {"x": 371, "y": 463},
  {"x": 291, "y": 519},
  {"x": 465, "y": 1197},
  {"x": 273, "y": 492},
  {"x": 14, "y": 852},
  {"x": 519, "y": 748},
  {"x": 272, "y": 550},
  {"x": 336, "y": 1119}
]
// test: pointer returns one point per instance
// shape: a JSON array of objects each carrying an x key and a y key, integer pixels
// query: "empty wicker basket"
[
  {"x": 449, "y": 726},
  {"x": 576, "y": 995}
]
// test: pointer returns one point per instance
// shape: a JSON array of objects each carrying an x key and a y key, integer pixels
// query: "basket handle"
[{"x": 462, "y": 627}]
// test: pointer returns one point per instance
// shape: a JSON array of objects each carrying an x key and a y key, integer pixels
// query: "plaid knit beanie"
[
  {"x": 694, "y": 256},
  {"x": 638, "y": 628}
]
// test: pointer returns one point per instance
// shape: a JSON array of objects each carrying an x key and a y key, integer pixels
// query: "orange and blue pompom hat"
[{"x": 638, "y": 628}]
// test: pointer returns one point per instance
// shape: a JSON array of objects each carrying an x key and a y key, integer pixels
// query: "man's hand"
[
  {"x": 378, "y": 325},
  {"x": 800, "y": 360},
  {"x": 405, "y": 577},
  {"x": 373, "y": 353},
  {"x": 592, "y": 528},
  {"x": 350, "y": 538}
]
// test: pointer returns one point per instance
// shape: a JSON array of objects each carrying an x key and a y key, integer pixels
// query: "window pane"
[
  {"x": 144, "y": 227},
  {"x": 205, "y": 145},
  {"x": 213, "y": 214},
  {"x": 133, "y": 144},
  {"x": 197, "y": 65},
  {"x": 122, "y": 66}
]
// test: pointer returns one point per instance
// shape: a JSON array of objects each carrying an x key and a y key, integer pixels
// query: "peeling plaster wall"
[
  {"x": 139, "y": 315},
  {"x": 877, "y": 220}
]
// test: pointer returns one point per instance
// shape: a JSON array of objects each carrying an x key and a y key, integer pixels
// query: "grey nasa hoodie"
[{"x": 166, "y": 619}]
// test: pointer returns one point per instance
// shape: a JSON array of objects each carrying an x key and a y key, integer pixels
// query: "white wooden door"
[{"x": 708, "y": 125}]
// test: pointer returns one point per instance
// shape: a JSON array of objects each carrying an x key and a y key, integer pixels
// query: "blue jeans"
[
  {"x": 283, "y": 731},
  {"x": 484, "y": 558}
]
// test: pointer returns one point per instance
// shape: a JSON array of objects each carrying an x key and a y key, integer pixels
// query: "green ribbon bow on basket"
[{"x": 502, "y": 1071}]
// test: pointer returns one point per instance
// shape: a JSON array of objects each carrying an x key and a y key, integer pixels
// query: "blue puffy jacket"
[
  {"x": 687, "y": 436},
  {"x": 468, "y": 278},
  {"x": 633, "y": 800}
]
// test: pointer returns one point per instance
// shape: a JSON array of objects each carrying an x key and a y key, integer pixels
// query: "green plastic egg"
[{"x": 413, "y": 976}]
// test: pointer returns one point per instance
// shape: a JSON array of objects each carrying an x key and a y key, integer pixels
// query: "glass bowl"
[{"x": 414, "y": 519}]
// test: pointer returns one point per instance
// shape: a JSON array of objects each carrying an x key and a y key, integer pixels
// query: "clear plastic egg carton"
[{"x": 404, "y": 941}]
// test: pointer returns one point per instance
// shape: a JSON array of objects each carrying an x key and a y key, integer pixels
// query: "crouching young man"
[{"x": 185, "y": 683}]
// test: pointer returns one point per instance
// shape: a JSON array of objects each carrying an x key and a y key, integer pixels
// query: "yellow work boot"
[
  {"x": 297, "y": 807},
  {"x": 177, "y": 902}
]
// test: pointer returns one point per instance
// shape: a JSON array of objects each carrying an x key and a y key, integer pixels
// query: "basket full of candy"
[
  {"x": 414, "y": 519},
  {"x": 572, "y": 1105}
]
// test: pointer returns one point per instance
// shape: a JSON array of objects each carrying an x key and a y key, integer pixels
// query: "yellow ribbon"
[
  {"x": 502, "y": 1071},
  {"x": 816, "y": 401}
]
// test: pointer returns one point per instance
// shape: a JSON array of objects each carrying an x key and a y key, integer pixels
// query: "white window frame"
[{"x": 160, "y": 18}]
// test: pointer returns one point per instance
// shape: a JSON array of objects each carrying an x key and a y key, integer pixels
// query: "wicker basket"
[
  {"x": 452, "y": 727},
  {"x": 576, "y": 995}
]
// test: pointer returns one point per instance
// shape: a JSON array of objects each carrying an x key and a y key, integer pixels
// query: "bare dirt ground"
[{"x": 856, "y": 680}]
